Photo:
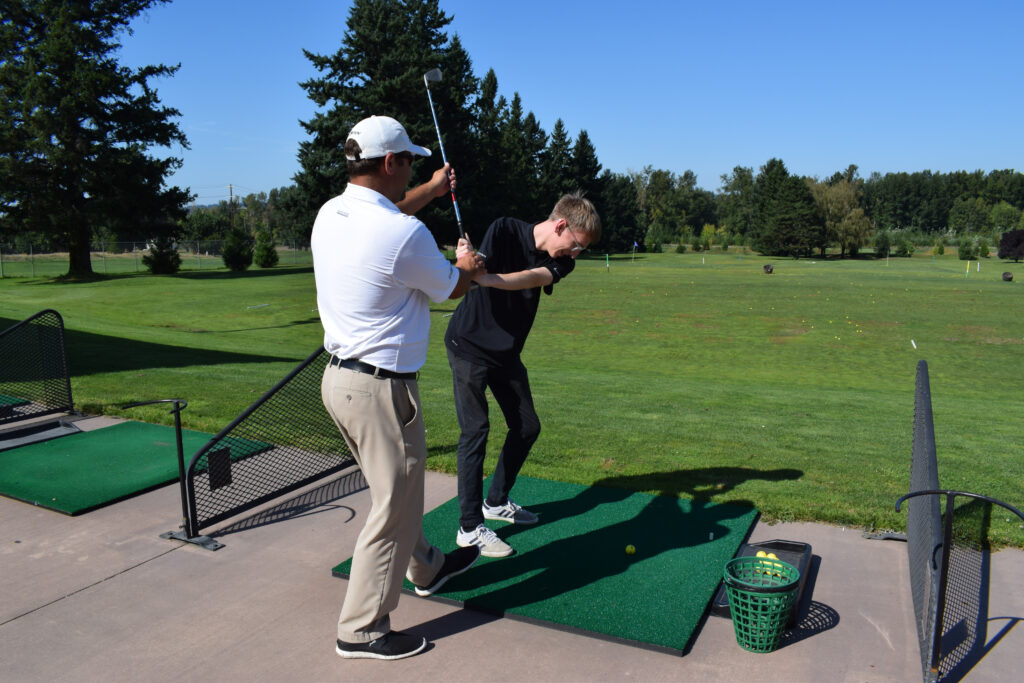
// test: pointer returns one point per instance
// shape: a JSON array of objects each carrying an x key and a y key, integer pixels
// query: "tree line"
[{"x": 77, "y": 135}]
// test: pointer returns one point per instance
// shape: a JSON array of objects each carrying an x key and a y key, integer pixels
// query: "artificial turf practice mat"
[
  {"x": 77, "y": 473},
  {"x": 11, "y": 400},
  {"x": 571, "y": 570}
]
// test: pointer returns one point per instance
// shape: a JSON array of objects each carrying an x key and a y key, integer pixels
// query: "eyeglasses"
[{"x": 579, "y": 248}]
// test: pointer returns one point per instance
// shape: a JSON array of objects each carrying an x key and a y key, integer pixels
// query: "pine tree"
[
  {"x": 75, "y": 127},
  {"x": 788, "y": 221},
  {"x": 378, "y": 70},
  {"x": 585, "y": 166},
  {"x": 556, "y": 164}
]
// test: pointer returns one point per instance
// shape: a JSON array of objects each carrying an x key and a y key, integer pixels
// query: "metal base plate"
[{"x": 204, "y": 541}]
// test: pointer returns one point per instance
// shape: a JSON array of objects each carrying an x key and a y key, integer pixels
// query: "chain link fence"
[{"x": 126, "y": 257}]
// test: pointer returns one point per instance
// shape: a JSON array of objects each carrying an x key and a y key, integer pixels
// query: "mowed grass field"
[{"x": 692, "y": 375}]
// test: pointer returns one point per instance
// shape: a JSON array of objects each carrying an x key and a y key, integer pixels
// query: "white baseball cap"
[{"x": 381, "y": 135}]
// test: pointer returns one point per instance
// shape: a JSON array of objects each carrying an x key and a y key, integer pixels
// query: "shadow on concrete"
[
  {"x": 966, "y": 618},
  {"x": 312, "y": 502}
]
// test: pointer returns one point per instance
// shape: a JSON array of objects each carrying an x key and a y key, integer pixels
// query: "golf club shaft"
[{"x": 444, "y": 159}]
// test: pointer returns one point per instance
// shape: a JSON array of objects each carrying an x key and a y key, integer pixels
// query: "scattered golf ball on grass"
[{"x": 630, "y": 549}]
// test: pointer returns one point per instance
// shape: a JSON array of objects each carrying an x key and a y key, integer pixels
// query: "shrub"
[
  {"x": 966, "y": 249},
  {"x": 903, "y": 247},
  {"x": 237, "y": 252},
  {"x": 697, "y": 246},
  {"x": 982, "y": 248},
  {"x": 681, "y": 248},
  {"x": 163, "y": 257},
  {"x": 655, "y": 248},
  {"x": 940, "y": 247},
  {"x": 266, "y": 252},
  {"x": 882, "y": 244}
]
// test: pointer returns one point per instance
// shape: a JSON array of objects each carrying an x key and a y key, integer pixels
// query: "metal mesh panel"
[
  {"x": 924, "y": 520},
  {"x": 34, "y": 377},
  {"x": 964, "y": 619},
  {"x": 282, "y": 442}
]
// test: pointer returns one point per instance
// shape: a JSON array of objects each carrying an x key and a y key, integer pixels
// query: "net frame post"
[{"x": 186, "y": 534}]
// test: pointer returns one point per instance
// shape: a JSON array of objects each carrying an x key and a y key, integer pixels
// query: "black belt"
[{"x": 360, "y": 366}]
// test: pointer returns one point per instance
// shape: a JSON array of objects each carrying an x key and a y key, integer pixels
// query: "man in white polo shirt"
[{"x": 377, "y": 269}]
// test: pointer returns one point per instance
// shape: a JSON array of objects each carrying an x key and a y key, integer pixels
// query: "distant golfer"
[
  {"x": 484, "y": 341},
  {"x": 377, "y": 270}
]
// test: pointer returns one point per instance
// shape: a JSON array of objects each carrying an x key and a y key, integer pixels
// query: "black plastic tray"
[{"x": 795, "y": 553}]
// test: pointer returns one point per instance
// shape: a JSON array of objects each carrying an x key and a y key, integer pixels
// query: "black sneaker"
[
  {"x": 455, "y": 562},
  {"x": 392, "y": 645}
]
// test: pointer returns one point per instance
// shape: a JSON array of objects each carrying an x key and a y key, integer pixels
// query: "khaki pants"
[{"x": 381, "y": 421}]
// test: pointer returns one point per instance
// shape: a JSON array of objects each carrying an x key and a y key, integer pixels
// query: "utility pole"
[{"x": 231, "y": 206}]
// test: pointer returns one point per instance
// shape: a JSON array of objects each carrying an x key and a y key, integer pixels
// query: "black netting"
[
  {"x": 965, "y": 614},
  {"x": 924, "y": 520},
  {"x": 281, "y": 443},
  {"x": 34, "y": 377}
]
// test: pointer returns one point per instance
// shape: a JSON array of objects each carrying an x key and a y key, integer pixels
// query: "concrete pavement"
[{"x": 103, "y": 597}]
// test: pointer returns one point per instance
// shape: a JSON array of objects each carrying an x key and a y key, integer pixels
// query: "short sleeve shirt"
[
  {"x": 490, "y": 325},
  {"x": 376, "y": 271}
]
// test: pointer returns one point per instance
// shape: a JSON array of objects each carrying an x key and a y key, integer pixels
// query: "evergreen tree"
[
  {"x": 76, "y": 127},
  {"x": 265, "y": 255},
  {"x": 556, "y": 165},
  {"x": 737, "y": 203},
  {"x": 788, "y": 220},
  {"x": 163, "y": 257},
  {"x": 488, "y": 111},
  {"x": 517, "y": 175},
  {"x": 619, "y": 212},
  {"x": 387, "y": 47},
  {"x": 585, "y": 167},
  {"x": 237, "y": 252}
]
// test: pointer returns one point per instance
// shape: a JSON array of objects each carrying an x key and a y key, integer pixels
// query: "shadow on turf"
[
  {"x": 96, "y": 353},
  {"x": 90, "y": 353},
  {"x": 701, "y": 484},
  {"x": 212, "y": 274},
  {"x": 561, "y": 566}
]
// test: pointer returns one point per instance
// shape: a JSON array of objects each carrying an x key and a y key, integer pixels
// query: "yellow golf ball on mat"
[{"x": 630, "y": 549}]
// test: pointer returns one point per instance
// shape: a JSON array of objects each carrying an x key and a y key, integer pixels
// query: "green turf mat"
[
  {"x": 11, "y": 400},
  {"x": 80, "y": 472},
  {"x": 571, "y": 571}
]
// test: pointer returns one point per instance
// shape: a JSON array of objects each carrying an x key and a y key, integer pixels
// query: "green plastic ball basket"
[{"x": 761, "y": 593}]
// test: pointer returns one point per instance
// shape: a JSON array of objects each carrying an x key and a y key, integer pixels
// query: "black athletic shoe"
[
  {"x": 392, "y": 645},
  {"x": 455, "y": 562}
]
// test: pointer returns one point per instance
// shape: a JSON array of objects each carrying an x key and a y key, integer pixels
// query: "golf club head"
[{"x": 432, "y": 76}]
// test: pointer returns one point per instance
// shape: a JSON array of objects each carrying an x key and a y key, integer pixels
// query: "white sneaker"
[
  {"x": 509, "y": 512},
  {"x": 485, "y": 539}
]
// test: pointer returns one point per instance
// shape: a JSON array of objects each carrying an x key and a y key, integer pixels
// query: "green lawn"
[
  {"x": 128, "y": 260},
  {"x": 691, "y": 374}
]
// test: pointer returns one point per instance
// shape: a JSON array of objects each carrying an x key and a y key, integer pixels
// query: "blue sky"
[{"x": 889, "y": 86}]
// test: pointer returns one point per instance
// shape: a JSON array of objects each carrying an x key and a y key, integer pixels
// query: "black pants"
[{"x": 511, "y": 388}]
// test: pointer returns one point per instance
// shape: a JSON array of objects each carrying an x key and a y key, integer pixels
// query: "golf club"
[{"x": 434, "y": 76}]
